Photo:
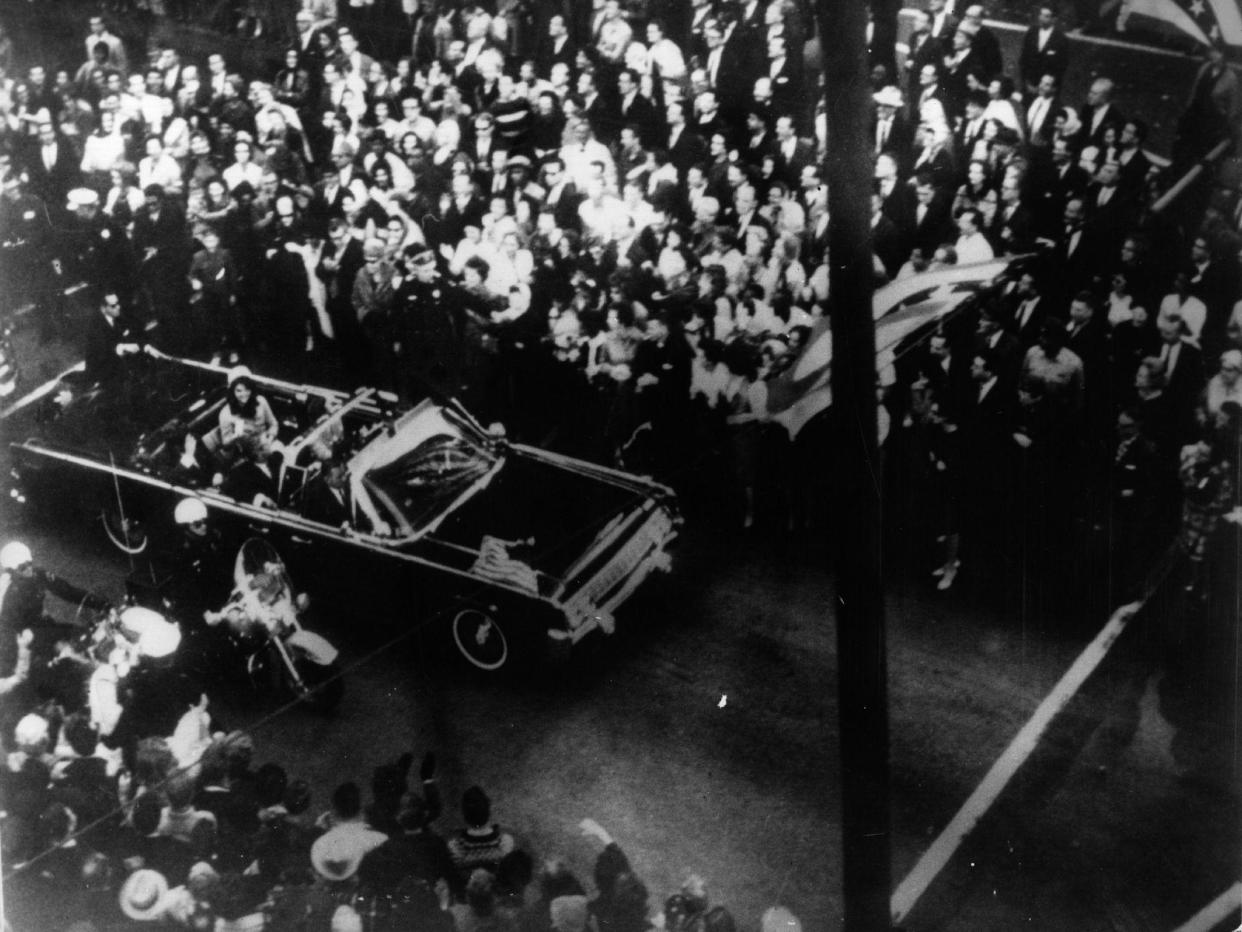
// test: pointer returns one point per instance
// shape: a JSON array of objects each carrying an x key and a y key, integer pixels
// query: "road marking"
[
  {"x": 1215, "y": 912},
  {"x": 1020, "y": 749}
]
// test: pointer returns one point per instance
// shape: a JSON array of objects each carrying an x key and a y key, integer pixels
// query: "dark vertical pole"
[{"x": 856, "y": 476}]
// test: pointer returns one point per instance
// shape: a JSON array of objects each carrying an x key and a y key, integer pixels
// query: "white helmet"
[
  {"x": 189, "y": 510},
  {"x": 14, "y": 554}
]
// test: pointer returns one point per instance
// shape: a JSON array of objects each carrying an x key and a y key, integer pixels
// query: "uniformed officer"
[
  {"x": 95, "y": 249},
  {"x": 432, "y": 328},
  {"x": 23, "y": 589},
  {"x": 25, "y": 234}
]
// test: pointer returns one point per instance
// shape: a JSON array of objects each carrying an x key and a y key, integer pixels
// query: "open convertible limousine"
[{"x": 516, "y": 550}]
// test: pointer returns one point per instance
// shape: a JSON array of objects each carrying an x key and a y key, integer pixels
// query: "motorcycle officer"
[{"x": 23, "y": 589}]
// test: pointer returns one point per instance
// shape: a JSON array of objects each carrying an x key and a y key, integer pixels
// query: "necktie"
[
  {"x": 881, "y": 135},
  {"x": 1037, "y": 113}
]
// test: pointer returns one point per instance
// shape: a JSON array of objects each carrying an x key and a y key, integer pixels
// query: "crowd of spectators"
[
  {"x": 191, "y": 836},
  {"x": 606, "y": 227}
]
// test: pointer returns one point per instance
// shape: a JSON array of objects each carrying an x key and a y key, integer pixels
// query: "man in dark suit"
[
  {"x": 562, "y": 195},
  {"x": 731, "y": 69},
  {"x": 786, "y": 77},
  {"x": 1078, "y": 250},
  {"x": 557, "y": 48},
  {"x": 255, "y": 479},
  {"x": 1012, "y": 225},
  {"x": 1131, "y": 159},
  {"x": 685, "y": 148},
  {"x": 1041, "y": 114},
  {"x": 1085, "y": 336},
  {"x": 892, "y": 131},
  {"x": 109, "y": 338},
  {"x": 338, "y": 268},
  {"x": 635, "y": 109},
  {"x": 964, "y": 71},
  {"x": 1098, "y": 113},
  {"x": 1051, "y": 184},
  {"x": 897, "y": 198},
  {"x": 1109, "y": 208},
  {"x": 792, "y": 154},
  {"x": 932, "y": 224},
  {"x": 1183, "y": 371},
  {"x": 758, "y": 141},
  {"x": 887, "y": 241},
  {"x": 1027, "y": 312},
  {"x": 1045, "y": 50},
  {"x": 52, "y": 165},
  {"x": 744, "y": 212},
  {"x": 326, "y": 498},
  {"x": 984, "y": 42},
  {"x": 991, "y": 337},
  {"x": 924, "y": 49}
]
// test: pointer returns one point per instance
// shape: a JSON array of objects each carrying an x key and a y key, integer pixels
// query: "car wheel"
[
  {"x": 480, "y": 638},
  {"x": 128, "y": 534}
]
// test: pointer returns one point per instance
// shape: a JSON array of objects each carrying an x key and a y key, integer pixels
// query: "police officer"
[
  {"x": 431, "y": 327},
  {"x": 23, "y": 588},
  {"x": 196, "y": 574},
  {"x": 25, "y": 232},
  {"x": 95, "y": 249}
]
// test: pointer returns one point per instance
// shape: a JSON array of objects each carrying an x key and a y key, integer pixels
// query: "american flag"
[{"x": 1206, "y": 21}]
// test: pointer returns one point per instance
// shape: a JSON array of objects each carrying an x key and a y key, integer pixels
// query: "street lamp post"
[{"x": 856, "y": 475}]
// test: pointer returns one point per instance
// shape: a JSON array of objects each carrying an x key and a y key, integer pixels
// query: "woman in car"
[{"x": 245, "y": 411}]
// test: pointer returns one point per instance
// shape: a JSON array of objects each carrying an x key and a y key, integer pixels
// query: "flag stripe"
[
  {"x": 1166, "y": 11},
  {"x": 1229, "y": 19}
]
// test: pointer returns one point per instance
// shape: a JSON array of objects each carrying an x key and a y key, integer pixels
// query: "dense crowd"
[{"x": 605, "y": 227}]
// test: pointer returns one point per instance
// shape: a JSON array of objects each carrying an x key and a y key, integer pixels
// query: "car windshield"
[{"x": 423, "y": 483}]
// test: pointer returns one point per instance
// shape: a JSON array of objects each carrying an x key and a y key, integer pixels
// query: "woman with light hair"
[{"x": 1225, "y": 385}]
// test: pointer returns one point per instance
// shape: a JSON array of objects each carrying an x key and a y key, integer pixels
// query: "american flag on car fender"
[
  {"x": 495, "y": 563},
  {"x": 901, "y": 307},
  {"x": 1205, "y": 21}
]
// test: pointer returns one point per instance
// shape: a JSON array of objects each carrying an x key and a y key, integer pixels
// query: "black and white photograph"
[{"x": 620, "y": 466}]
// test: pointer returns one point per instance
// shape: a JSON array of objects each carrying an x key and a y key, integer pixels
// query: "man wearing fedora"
[{"x": 892, "y": 131}]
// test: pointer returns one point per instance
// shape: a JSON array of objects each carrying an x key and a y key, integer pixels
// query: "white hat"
[
  {"x": 346, "y": 919},
  {"x": 31, "y": 730},
  {"x": 14, "y": 554},
  {"x": 779, "y": 919},
  {"x": 239, "y": 372},
  {"x": 336, "y": 854},
  {"x": 82, "y": 197},
  {"x": 155, "y": 637},
  {"x": 143, "y": 894},
  {"x": 887, "y": 97}
]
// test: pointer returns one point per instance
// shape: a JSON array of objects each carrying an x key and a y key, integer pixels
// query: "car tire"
[
  {"x": 481, "y": 638},
  {"x": 128, "y": 534}
]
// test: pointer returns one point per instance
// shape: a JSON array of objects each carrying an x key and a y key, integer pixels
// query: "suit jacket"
[
  {"x": 52, "y": 184},
  {"x": 944, "y": 29},
  {"x": 987, "y": 46},
  {"x": 642, "y": 113},
  {"x": 1088, "y": 137},
  {"x": 787, "y": 89},
  {"x": 1042, "y": 134},
  {"x": 1134, "y": 173},
  {"x": 1053, "y": 59},
  {"x": 549, "y": 55},
  {"x": 687, "y": 150},
  {"x": 246, "y": 481},
  {"x": 564, "y": 202},
  {"x": 1185, "y": 384},
  {"x": 924, "y": 50},
  {"x": 955, "y": 80},
  {"x": 1015, "y": 234},
  {"x": 888, "y": 244},
  {"x": 936, "y": 227},
  {"x": 102, "y": 338},
  {"x": 789, "y": 166},
  {"x": 1026, "y": 332},
  {"x": 321, "y": 503}
]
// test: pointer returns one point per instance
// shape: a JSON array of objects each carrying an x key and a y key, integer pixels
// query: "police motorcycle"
[{"x": 263, "y": 620}]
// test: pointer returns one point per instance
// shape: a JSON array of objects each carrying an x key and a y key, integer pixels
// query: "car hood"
[{"x": 555, "y": 511}]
